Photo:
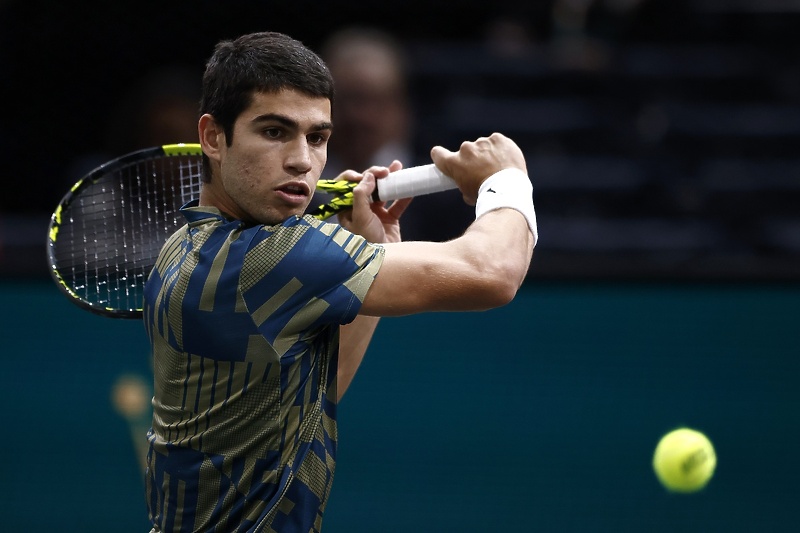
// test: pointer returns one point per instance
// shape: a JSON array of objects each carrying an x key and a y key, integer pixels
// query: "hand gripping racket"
[
  {"x": 405, "y": 183},
  {"x": 107, "y": 231}
]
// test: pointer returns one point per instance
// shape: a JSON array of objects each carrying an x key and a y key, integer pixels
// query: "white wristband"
[{"x": 509, "y": 188}]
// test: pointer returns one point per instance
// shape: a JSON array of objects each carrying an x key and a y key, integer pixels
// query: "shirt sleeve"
[{"x": 305, "y": 274}]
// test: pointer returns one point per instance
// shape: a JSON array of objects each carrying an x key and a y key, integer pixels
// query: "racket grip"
[{"x": 411, "y": 182}]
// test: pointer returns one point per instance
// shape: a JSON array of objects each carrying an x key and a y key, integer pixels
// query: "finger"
[
  {"x": 378, "y": 171},
  {"x": 345, "y": 218},
  {"x": 362, "y": 194},
  {"x": 349, "y": 175},
  {"x": 395, "y": 166},
  {"x": 398, "y": 207},
  {"x": 361, "y": 218}
]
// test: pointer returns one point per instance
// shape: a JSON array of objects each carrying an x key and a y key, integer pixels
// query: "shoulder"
[
  {"x": 307, "y": 248},
  {"x": 313, "y": 240},
  {"x": 305, "y": 260}
]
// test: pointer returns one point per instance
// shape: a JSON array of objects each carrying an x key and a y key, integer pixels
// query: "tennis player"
[{"x": 259, "y": 316}]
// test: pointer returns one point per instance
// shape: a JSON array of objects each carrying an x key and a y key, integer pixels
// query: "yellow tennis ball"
[{"x": 684, "y": 460}]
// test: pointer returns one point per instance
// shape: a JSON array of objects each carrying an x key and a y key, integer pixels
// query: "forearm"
[
  {"x": 480, "y": 270},
  {"x": 354, "y": 339},
  {"x": 498, "y": 247},
  {"x": 494, "y": 263},
  {"x": 505, "y": 254}
]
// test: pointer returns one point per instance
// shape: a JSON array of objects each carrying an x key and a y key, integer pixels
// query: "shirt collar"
[{"x": 194, "y": 212}]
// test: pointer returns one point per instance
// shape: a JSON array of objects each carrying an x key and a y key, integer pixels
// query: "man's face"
[
  {"x": 270, "y": 170},
  {"x": 372, "y": 109}
]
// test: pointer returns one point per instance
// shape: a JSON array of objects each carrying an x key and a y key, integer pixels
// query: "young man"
[{"x": 259, "y": 317}]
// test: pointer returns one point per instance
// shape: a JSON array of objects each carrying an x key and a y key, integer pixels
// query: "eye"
[
  {"x": 318, "y": 138},
  {"x": 272, "y": 132}
]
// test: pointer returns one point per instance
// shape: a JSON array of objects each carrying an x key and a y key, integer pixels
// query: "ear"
[{"x": 211, "y": 135}]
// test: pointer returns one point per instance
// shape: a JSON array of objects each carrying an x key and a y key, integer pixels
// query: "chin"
[{"x": 273, "y": 218}]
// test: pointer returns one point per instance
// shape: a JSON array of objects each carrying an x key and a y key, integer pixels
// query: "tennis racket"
[{"x": 106, "y": 233}]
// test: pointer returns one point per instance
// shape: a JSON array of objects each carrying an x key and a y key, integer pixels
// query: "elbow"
[
  {"x": 502, "y": 282},
  {"x": 511, "y": 290},
  {"x": 494, "y": 295},
  {"x": 506, "y": 291}
]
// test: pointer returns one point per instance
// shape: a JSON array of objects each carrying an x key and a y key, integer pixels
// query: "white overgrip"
[{"x": 412, "y": 181}]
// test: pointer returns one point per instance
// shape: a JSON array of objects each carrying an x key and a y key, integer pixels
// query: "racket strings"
[
  {"x": 191, "y": 173},
  {"x": 112, "y": 232}
]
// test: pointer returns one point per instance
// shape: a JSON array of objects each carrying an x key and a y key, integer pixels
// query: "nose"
[{"x": 299, "y": 156}]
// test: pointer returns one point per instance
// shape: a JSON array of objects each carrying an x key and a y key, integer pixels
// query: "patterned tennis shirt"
[{"x": 244, "y": 325}]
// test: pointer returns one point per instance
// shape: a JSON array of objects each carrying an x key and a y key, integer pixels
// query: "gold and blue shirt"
[{"x": 244, "y": 324}]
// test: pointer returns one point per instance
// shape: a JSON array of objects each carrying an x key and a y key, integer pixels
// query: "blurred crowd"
[{"x": 652, "y": 154}]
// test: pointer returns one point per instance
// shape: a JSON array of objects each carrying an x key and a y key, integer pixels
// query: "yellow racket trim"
[
  {"x": 182, "y": 149},
  {"x": 342, "y": 200}
]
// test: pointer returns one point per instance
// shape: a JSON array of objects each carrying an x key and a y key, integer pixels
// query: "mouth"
[{"x": 295, "y": 192}]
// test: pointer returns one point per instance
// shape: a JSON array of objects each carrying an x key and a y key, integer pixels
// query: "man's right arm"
[
  {"x": 480, "y": 270},
  {"x": 483, "y": 268}
]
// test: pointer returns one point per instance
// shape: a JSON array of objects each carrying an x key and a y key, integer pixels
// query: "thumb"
[
  {"x": 440, "y": 153},
  {"x": 441, "y": 158}
]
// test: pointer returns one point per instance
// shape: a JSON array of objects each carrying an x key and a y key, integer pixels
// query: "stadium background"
[{"x": 664, "y": 291}]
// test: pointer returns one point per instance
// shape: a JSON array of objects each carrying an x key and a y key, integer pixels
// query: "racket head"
[{"x": 107, "y": 231}]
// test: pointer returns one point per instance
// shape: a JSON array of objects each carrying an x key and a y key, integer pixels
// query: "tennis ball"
[{"x": 684, "y": 460}]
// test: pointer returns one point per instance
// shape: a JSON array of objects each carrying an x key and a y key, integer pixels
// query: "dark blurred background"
[{"x": 662, "y": 136}]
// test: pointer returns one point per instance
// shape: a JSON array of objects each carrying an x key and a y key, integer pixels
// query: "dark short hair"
[{"x": 258, "y": 62}]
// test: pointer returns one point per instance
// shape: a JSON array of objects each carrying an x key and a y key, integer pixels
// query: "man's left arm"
[
  {"x": 354, "y": 338},
  {"x": 377, "y": 223}
]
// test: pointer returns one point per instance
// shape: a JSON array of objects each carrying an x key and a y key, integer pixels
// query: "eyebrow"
[{"x": 290, "y": 123}]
